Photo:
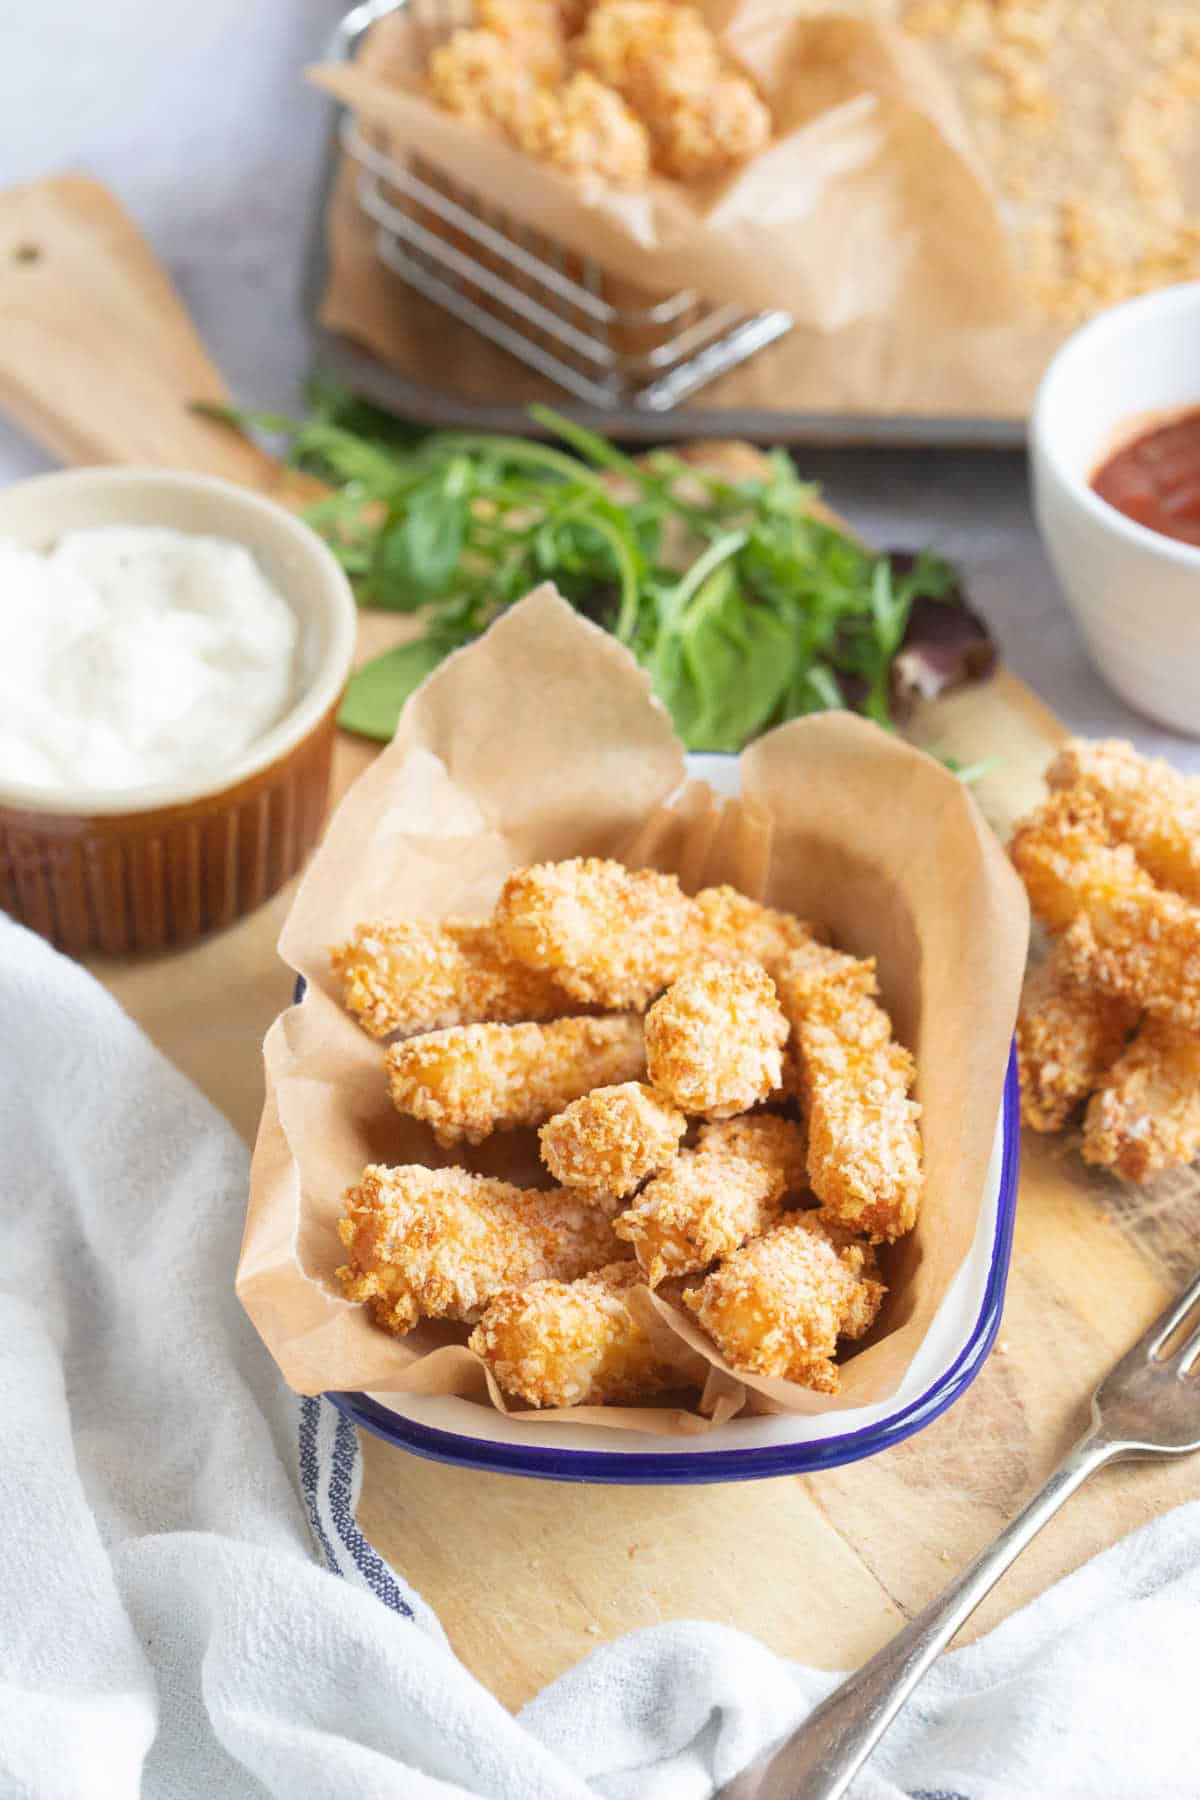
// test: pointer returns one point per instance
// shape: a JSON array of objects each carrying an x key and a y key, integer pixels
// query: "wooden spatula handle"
[{"x": 99, "y": 360}]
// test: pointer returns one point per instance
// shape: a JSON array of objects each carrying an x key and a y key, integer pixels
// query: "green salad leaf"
[{"x": 745, "y": 605}]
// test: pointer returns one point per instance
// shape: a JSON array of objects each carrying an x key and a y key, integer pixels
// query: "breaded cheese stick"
[
  {"x": 864, "y": 1147},
  {"x": 702, "y": 1207},
  {"x": 778, "y": 1145},
  {"x": 730, "y": 928},
  {"x": 1144, "y": 803},
  {"x": 613, "y": 936},
  {"x": 714, "y": 1041},
  {"x": 1122, "y": 932},
  {"x": 577, "y": 1343},
  {"x": 779, "y": 1304},
  {"x": 440, "y": 1243},
  {"x": 1068, "y": 1038},
  {"x": 475, "y": 1079},
  {"x": 612, "y": 1138},
  {"x": 1146, "y": 1117},
  {"x": 425, "y": 975}
]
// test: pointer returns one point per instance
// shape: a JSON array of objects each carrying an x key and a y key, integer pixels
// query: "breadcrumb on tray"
[
  {"x": 777, "y": 1306},
  {"x": 475, "y": 1079},
  {"x": 577, "y": 1343},
  {"x": 440, "y": 1243},
  {"x": 612, "y": 1138},
  {"x": 864, "y": 1146},
  {"x": 714, "y": 1042}
]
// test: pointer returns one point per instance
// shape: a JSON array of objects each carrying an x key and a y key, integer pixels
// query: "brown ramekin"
[{"x": 157, "y": 867}]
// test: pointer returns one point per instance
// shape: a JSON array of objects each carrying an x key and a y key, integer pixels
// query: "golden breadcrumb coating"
[
  {"x": 778, "y": 1145},
  {"x": 714, "y": 1042},
  {"x": 1068, "y": 1037},
  {"x": 440, "y": 1243},
  {"x": 534, "y": 29},
  {"x": 584, "y": 129},
  {"x": 424, "y": 975},
  {"x": 612, "y": 936},
  {"x": 482, "y": 78},
  {"x": 654, "y": 52},
  {"x": 730, "y": 928},
  {"x": 1123, "y": 933},
  {"x": 612, "y": 1138},
  {"x": 1146, "y": 1117},
  {"x": 696, "y": 140},
  {"x": 703, "y": 116},
  {"x": 864, "y": 1147},
  {"x": 1143, "y": 802},
  {"x": 705, "y": 1205},
  {"x": 576, "y": 1343},
  {"x": 777, "y": 1306},
  {"x": 476, "y": 1079}
]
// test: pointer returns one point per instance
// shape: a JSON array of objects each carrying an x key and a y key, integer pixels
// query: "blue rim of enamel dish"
[{"x": 672, "y": 1469}]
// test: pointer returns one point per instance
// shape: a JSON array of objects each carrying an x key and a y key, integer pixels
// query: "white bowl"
[{"x": 1135, "y": 593}]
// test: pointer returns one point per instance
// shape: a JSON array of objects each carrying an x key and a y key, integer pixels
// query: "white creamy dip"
[{"x": 134, "y": 655}]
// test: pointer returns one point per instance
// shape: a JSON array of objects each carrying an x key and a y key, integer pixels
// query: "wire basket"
[{"x": 607, "y": 343}]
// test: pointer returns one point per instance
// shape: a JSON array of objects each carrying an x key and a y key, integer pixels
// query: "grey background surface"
[{"x": 198, "y": 117}]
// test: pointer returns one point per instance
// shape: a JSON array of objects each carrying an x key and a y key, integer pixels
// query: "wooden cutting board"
[{"x": 99, "y": 361}]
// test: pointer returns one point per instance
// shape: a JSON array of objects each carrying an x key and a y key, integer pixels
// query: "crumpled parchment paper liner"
[{"x": 542, "y": 740}]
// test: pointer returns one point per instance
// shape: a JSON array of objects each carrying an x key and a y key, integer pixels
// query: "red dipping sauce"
[{"x": 1155, "y": 480}]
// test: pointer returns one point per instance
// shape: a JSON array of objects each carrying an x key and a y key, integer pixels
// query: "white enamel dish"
[{"x": 452, "y": 1430}]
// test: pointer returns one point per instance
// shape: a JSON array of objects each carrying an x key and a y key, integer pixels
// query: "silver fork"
[{"x": 1145, "y": 1407}]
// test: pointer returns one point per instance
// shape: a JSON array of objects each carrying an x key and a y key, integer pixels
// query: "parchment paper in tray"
[
  {"x": 869, "y": 202},
  {"x": 542, "y": 740}
]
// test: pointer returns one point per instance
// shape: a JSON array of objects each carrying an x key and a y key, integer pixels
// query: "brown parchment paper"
[
  {"x": 542, "y": 740},
  {"x": 868, "y": 203}
]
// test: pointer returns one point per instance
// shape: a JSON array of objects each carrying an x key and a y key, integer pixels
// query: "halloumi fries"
[
  {"x": 779, "y": 1304},
  {"x": 703, "y": 1207},
  {"x": 440, "y": 1243},
  {"x": 612, "y": 936},
  {"x": 612, "y": 1138},
  {"x": 864, "y": 1145},
  {"x": 714, "y": 1042},
  {"x": 577, "y": 1343},
  {"x": 1068, "y": 1038},
  {"x": 1143, "y": 802},
  {"x": 1145, "y": 1117},
  {"x": 427, "y": 975},
  {"x": 730, "y": 927},
  {"x": 778, "y": 1145},
  {"x": 475, "y": 1079},
  {"x": 1121, "y": 931}
]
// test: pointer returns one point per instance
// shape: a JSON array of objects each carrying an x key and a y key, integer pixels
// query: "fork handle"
[{"x": 824, "y": 1756}]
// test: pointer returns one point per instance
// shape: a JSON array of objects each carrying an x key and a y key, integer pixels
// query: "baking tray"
[{"x": 426, "y": 404}]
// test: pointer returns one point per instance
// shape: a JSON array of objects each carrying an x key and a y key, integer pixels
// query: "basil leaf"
[{"x": 376, "y": 693}]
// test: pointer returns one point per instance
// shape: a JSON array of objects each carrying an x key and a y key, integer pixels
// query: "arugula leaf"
[{"x": 745, "y": 606}]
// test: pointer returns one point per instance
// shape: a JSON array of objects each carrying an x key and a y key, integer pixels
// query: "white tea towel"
[{"x": 167, "y": 1631}]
